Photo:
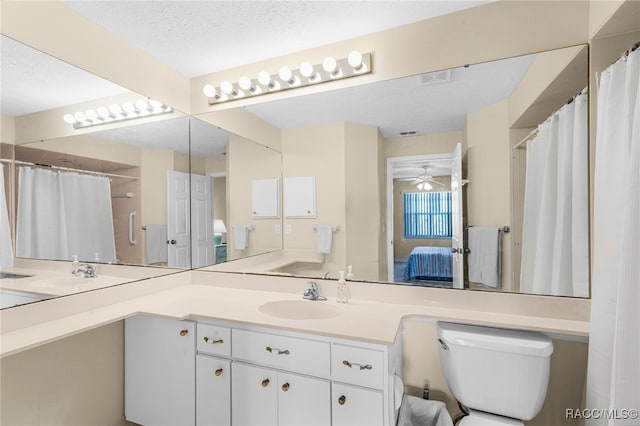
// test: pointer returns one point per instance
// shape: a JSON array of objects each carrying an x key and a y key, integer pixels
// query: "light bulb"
[
  {"x": 91, "y": 114},
  {"x": 226, "y": 87},
  {"x": 103, "y": 112},
  {"x": 355, "y": 59},
  {"x": 306, "y": 69},
  {"x": 69, "y": 118},
  {"x": 285, "y": 74},
  {"x": 115, "y": 109},
  {"x": 330, "y": 64},
  {"x": 265, "y": 78},
  {"x": 245, "y": 83},
  {"x": 142, "y": 105},
  {"x": 128, "y": 107},
  {"x": 155, "y": 104},
  {"x": 80, "y": 117},
  {"x": 209, "y": 91}
]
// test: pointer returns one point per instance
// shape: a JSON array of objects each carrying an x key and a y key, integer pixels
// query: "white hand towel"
[
  {"x": 324, "y": 235},
  {"x": 484, "y": 257},
  {"x": 156, "y": 244},
  {"x": 240, "y": 237}
]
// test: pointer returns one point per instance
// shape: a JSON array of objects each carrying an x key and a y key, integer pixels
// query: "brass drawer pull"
[
  {"x": 184, "y": 332},
  {"x": 218, "y": 372},
  {"x": 342, "y": 400},
  {"x": 265, "y": 383},
  {"x": 285, "y": 387},
  {"x": 279, "y": 351},
  {"x": 213, "y": 342},
  {"x": 362, "y": 367}
]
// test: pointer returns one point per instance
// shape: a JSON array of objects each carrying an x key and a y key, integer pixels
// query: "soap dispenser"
[
  {"x": 75, "y": 265},
  {"x": 349, "y": 275},
  {"x": 342, "y": 292}
]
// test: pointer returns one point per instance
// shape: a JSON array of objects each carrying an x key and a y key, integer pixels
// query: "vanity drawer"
[
  {"x": 214, "y": 340},
  {"x": 359, "y": 366},
  {"x": 290, "y": 353}
]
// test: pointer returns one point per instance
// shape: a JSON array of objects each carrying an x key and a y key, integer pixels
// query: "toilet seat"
[{"x": 480, "y": 418}]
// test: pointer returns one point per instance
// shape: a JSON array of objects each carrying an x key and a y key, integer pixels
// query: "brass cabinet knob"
[
  {"x": 285, "y": 387},
  {"x": 218, "y": 372},
  {"x": 342, "y": 400},
  {"x": 213, "y": 342},
  {"x": 265, "y": 383},
  {"x": 184, "y": 332}
]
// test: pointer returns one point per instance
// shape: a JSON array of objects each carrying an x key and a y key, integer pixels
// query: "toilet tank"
[{"x": 504, "y": 372}]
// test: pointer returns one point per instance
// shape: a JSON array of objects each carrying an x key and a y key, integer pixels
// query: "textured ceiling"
[{"x": 200, "y": 37}]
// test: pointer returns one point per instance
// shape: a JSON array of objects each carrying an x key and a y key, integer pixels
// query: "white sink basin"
[{"x": 300, "y": 309}]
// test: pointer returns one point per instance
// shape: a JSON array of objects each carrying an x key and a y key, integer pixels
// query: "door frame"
[{"x": 392, "y": 162}]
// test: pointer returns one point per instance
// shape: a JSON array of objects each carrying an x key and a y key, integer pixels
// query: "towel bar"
[
  {"x": 333, "y": 228},
  {"x": 504, "y": 229}
]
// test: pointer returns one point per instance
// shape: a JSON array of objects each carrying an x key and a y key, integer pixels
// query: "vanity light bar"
[
  {"x": 116, "y": 112},
  {"x": 330, "y": 69}
]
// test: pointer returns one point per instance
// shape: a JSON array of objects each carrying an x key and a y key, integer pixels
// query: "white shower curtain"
[
  {"x": 64, "y": 214},
  {"x": 555, "y": 255},
  {"x": 613, "y": 378},
  {"x": 6, "y": 248}
]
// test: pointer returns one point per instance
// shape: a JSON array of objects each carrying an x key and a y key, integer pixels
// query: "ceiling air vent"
[
  {"x": 409, "y": 133},
  {"x": 435, "y": 78}
]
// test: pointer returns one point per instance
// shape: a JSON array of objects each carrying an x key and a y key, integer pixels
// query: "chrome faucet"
[
  {"x": 312, "y": 292},
  {"x": 88, "y": 271}
]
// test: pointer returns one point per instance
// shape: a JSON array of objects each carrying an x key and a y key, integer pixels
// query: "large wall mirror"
[
  {"x": 383, "y": 162},
  {"x": 150, "y": 191}
]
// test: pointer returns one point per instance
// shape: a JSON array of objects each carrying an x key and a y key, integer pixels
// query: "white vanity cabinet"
[
  {"x": 159, "y": 371},
  {"x": 233, "y": 374},
  {"x": 263, "y": 396}
]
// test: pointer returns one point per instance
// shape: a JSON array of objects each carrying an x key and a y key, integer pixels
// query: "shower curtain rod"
[
  {"x": 532, "y": 134},
  {"x": 69, "y": 169}
]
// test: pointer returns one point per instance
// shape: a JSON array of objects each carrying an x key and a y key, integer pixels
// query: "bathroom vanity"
[{"x": 208, "y": 372}]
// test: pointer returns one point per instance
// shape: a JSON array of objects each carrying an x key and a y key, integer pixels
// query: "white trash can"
[{"x": 416, "y": 411}]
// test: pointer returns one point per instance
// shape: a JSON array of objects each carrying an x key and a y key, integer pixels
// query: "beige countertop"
[{"x": 374, "y": 313}]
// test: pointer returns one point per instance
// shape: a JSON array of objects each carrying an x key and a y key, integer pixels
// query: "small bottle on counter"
[
  {"x": 349, "y": 275},
  {"x": 342, "y": 292},
  {"x": 75, "y": 265}
]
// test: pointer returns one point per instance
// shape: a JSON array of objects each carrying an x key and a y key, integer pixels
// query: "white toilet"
[{"x": 500, "y": 375}]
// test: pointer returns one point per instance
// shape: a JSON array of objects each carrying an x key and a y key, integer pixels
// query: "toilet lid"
[{"x": 479, "y": 418}]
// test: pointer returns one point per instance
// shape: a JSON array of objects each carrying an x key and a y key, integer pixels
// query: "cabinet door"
[
  {"x": 213, "y": 391},
  {"x": 354, "y": 406},
  {"x": 159, "y": 371},
  {"x": 303, "y": 400},
  {"x": 254, "y": 397}
]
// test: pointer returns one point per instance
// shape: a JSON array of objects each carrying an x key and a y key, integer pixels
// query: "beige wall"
[
  {"x": 364, "y": 225},
  {"x": 488, "y": 158},
  {"x": 246, "y": 161},
  {"x": 7, "y": 129},
  {"x": 74, "y": 381},
  {"x": 434, "y": 143},
  {"x": 319, "y": 151}
]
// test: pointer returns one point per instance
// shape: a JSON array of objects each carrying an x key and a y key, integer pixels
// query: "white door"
[
  {"x": 213, "y": 391},
  {"x": 254, "y": 398},
  {"x": 303, "y": 400},
  {"x": 202, "y": 248},
  {"x": 159, "y": 365},
  {"x": 178, "y": 255},
  {"x": 353, "y": 406},
  {"x": 457, "y": 243}
]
